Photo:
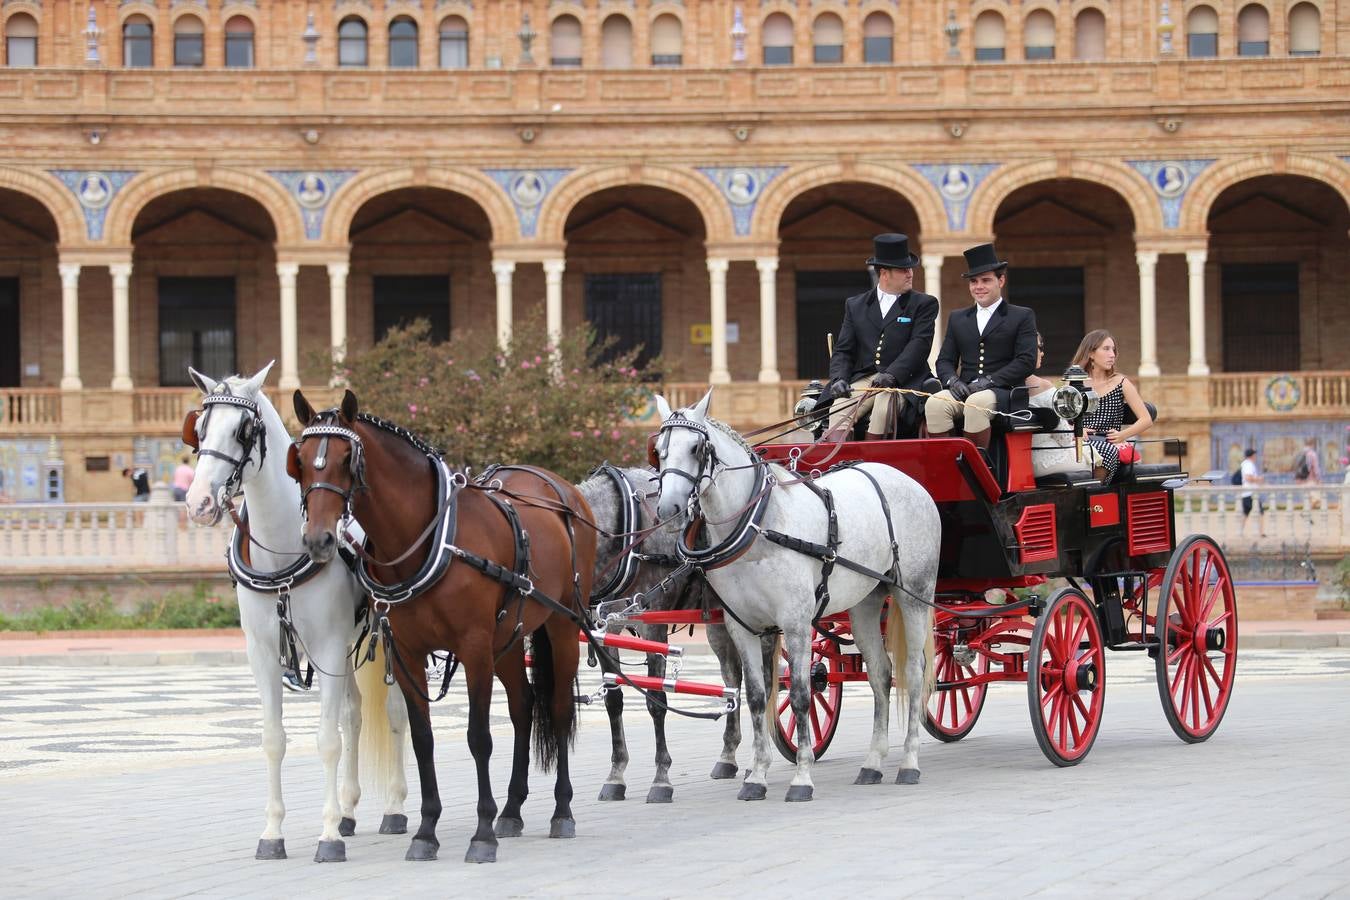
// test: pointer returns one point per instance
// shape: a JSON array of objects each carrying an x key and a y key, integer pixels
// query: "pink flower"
[
  {"x": 538, "y": 360},
  {"x": 614, "y": 435},
  {"x": 423, "y": 381},
  {"x": 525, "y": 364},
  {"x": 388, "y": 374},
  {"x": 575, "y": 434},
  {"x": 412, "y": 408},
  {"x": 595, "y": 433}
]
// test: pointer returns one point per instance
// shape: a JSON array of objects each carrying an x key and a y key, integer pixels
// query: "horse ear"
[
  {"x": 701, "y": 408},
  {"x": 652, "y": 459},
  {"x": 304, "y": 413},
  {"x": 662, "y": 407},
  {"x": 205, "y": 384},
  {"x": 293, "y": 461},
  {"x": 190, "y": 428},
  {"x": 254, "y": 384},
  {"x": 349, "y": 406}
]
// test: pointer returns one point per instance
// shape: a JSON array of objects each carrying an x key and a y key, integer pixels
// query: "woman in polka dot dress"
[{"x": 1102, "y": 427}]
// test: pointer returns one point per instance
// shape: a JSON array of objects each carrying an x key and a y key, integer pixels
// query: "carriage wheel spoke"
[
  {"x": 824, "y": 703},
  {"x": 816, "y": 729},
  {"x": 1209, "y": 664},
  {"x": 785, "y": 703}
]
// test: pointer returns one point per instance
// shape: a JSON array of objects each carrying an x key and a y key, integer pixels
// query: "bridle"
[
  {"x": 252, "y": 432},
  {"x": 356, "y": 462},
  {"x": 704, "y": 452}
]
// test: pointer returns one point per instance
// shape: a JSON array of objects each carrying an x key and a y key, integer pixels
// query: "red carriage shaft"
[
  {"x": 629, "y": 642},
  {"x": 672, "y": 685}
]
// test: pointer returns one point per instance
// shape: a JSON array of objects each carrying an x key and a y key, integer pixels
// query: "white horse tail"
[
  {"x": 897, "y": 644},
  {"x": 379, "y": 753}
]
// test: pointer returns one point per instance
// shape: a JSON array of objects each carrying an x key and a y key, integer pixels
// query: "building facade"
[{"x": 225, "y": 183}]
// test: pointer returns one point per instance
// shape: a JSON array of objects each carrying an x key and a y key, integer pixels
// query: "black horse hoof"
[
  {"x": 612, "y": 791},
  {"x": 507, "y": 827},
  {"x": 661, "y": 793},
  {"x": 394, "y": 823},
  {"x": 331, "y": 851},
  {"x": 347, "y": 827},
  {"x": 751, "y": 791},
  {"x": 271, "y": 848},
  {"x": 481, "y": 852},
  {"x": 724, "y": 770},
  {"x": 868, "y": 776},
  {"x": 907, "y": 776},
  {"x": 421, "y": 850},
  {"x": 799, "y": 793},
  {"x": 562, "y": 828}
]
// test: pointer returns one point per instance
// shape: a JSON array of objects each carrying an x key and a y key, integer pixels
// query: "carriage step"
[
  {"x": 671, "y": 685},
  {"x": 629, "y": 642}
]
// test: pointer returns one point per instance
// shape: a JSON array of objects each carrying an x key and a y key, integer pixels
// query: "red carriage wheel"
[
  {"x": 827, "y": 694},
  {"x": 1197, "y": 639},
  {"x": 1066, "y": 671},
  {"x": 952, "y": 712}
]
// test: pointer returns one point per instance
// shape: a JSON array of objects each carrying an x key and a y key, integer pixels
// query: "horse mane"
[
  {"x": 731, "y": 433},
  {"x": 400, "y": 431}
]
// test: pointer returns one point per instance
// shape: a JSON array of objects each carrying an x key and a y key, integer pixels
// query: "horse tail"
[
  {"x": 546, "y": 744},
  {"x": 897, "y": 643},
  {"x": 379, "y": 751}
]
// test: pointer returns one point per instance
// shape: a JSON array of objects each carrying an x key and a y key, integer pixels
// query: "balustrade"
[
  {"x": 1297, "y": 519},
  {"x": 40, "y": 537}
]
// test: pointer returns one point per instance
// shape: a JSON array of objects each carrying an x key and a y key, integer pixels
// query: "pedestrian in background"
[
  {"x": 140, "y": 480},
  {"x": 182, "y": 479},
  {"x": 1308, "y": 471},
  {"x": 1251, "y": 476}
]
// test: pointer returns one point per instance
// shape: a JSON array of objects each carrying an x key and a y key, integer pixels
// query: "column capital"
[
  {"x": 120, "y": 270},
  {"x": 338, "y": 269},
  {"x": 1197, "y": 257},
  {"x": 287, "y": 270},
  {"x": 767, "y": 265},
  {"x": 1147, "y": 258},
  {"x": 718, "y": 265},
  {"x": 70, "y": 273},
  {"x": 503, "y": 268},
  {"x": 554, "y": 267},
  {"x": 931, "y": 260}
]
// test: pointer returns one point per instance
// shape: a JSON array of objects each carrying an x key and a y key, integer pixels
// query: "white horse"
[
  {"x": 888, "y": 527},
  {"x": 241, "y": 442}
]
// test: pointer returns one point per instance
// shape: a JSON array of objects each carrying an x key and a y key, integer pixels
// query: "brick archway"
[
  {"x": 782, "y": 191},
  {"x": 353, "y": 195},
  {"x": 701, "y": 192},
  {"x": 1131, "y": 187},
  {"x": 1219, "y": 178},
  {"x": 270, "y": 195},
  {"x": 59, "y": 202}
]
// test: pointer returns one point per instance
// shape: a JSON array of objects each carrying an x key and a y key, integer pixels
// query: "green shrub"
[
  {"x": 194, "y": 609},
  {"x": 1340, "y": 580}
]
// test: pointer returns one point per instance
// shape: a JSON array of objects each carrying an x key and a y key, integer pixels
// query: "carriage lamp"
[
  {"x": 1074, "y": 399},
  {"x": 807, "y": 404}
]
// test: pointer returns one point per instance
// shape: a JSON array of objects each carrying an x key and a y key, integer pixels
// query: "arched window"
[
  {"x": 564, "y": 44},
  {"x": 778, "y": 40},
  {"x": 1253, "y": 31},
  {"x": 1305, "y": 30},
  {"x": 188, "y": 42},
  {"x": 878, "y": 38},
  {"x": 21, "y": 40},
  {"x": 1089, "y": 35},
  {"x": 990, "y": 37},
  {"x": 1038, "y": 35},
  {"x": 239, "y": 42},
  {"x": 454, "y": 43},
  {"x": 667, "y": 41},
  {"x": 403, "y": 43},
  {"x": 827, "y": 39},
  {"x": 138, "y": 43},
  {"x": 616, "y": 43},
  {"x": 352, "y": 42},
  {"x": 1202, "y": 32}
]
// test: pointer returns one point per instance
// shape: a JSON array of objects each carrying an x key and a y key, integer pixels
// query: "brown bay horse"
[{"x": 467, "y": 567}]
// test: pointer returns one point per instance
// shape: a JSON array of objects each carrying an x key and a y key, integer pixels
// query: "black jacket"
[
  {"x": 1006, "y": 352},
  {"x": 899, "y": 346}
]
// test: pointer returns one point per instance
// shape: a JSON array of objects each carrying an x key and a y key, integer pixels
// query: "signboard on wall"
[{"x": 702, "y": 333}]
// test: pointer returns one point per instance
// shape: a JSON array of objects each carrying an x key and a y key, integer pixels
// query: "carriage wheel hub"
[
  {"x": 1215, "y": 639},
  {"x": 820, "y": 677}
]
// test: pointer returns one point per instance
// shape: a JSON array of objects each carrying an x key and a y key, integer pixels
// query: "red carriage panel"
[
  {"x": 1035, "y": 531},
  {"x": 1149, "y": 522}
]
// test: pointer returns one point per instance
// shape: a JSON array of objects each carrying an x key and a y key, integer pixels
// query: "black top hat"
[
  {"x": 982, "y": 258},
  {"x": 891, "y": 251}
]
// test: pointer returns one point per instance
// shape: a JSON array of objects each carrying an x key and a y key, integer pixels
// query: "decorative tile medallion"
[
  {"x": 955, "y": 182},
  {"x": 95, "y": 190},
  {"x": 742, "y": 187},
  {"x": 1171, "y": 179},
  {"x": 313, "y": 191},
  {"x": 527, "y": 189}
]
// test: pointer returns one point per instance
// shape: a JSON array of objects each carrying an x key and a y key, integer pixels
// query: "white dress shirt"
[
  {"x": 984, "y": 313},
  {"x": 887, "y": 301}
]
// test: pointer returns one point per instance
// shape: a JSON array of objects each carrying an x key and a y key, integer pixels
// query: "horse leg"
[
  {"x": 511, "y": 672},
  {"x": 865, "y": 620},
  {"x": 424, "y": 844},
  {"x": 918, "y": 635},
  {"x": 349, "y": 791},
  {"x": 615, "y": 787},
  {"x": 730, "y": 663},
  {"x": 565, "y": 652},
  {"x": 756, "y": 783},
  {"x": 395, "y": 820},
  {"x": 478, "y": 678},
  {"x": 332, "y": 698},
  {"x": 661, "y": 791},
  {"x": 797, "y": 643},
  {"x": 264, "y": 659}
]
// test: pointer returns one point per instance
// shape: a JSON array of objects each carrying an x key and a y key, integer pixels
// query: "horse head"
[
  {"x": 328, "y": 463},
  {"x": 229, "y": 436},
  {"x": 683, "y": 458}
]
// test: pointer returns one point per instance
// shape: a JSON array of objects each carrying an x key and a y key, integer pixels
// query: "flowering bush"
[{"x": 484, "y": 405}]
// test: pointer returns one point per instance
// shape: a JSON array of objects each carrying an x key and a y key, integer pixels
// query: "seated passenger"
[{"x": 1102, "y": 427}]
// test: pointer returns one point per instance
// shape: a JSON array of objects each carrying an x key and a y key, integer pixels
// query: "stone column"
[
  {"x": 1148, "y": 313},
  {"x": 932, "y": 284},
  {"x": 70, "y": 326},
  {"x": 121, "y": 278},
  {"x": 337, "y": 316},
  {"x": 503, "y": 270},
  {"x": 768, "y": 318},
  {"x": 553, "y": 299},
  {"x": 717, "y": 291},
  {"x": 290, "y": 342},
  {"x": 1195, "y": 269}
]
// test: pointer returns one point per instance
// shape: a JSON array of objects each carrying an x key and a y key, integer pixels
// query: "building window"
[
  {"x": 625, "y": 307},
  {"x": 352, "y": 42},
  {"x": 778, "y": 40},
  {"x": 1202, "y": 32},
  {"x": 403, "y": 43},
  {"x": 1253, "y": 31},
  {"x": 454, "y": 43},
  {"x": 667, "y": 41},
  {"x": 239, "y": 42},
  {"x": 1305, "y": 30},
  {"x": 400, "y": 300},
  {"x": 21, "y": 40},
  {"x": 1089, "y": 35},
  {"x": 1253, "y": 339},
  {"x": 1038, "y": 35},
  {"x": 827, "y": 39},
  {"x": 564, "y": 44},
  {"x": 196, "y": 327},
  {"x": 138, "y": 43},
  {"x": 188, "y": 42},
  {"x": 878, "y": 38},
  {"x": 616, "y": 43},
  {"x": 990, "y": 37}
]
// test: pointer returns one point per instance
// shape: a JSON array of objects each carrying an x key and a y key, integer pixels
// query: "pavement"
[{"x": 220, "y": 647}]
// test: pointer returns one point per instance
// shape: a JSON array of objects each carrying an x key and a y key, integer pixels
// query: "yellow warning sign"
[{"x": 700, "y": 334}]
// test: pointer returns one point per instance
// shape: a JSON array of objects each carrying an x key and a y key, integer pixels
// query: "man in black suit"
[
  {"x": 989, "y": 349},
  {"x": 884, "y": 341}
]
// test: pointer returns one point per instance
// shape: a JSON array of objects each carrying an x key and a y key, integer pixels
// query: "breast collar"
[
  {"x": 285, "y": 579},
  {"x": 443, "y": 550}
]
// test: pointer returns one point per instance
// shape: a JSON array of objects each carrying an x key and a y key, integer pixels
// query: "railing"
[
  {"x": 30, "y": 409},
  {"x": 1258, "y": 393},
  {"x": 162, "y": 407},
  {"x": 1295, "y": 519}
]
